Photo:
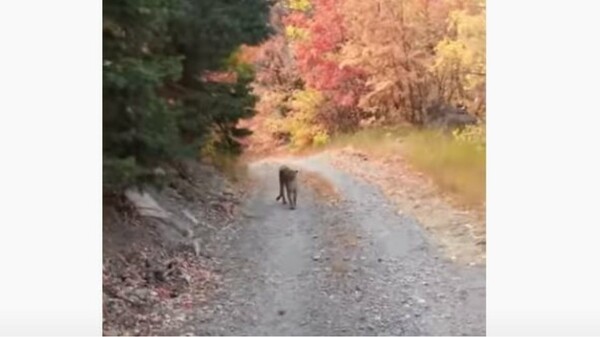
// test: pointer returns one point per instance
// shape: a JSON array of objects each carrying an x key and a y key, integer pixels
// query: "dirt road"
[{"x": 351, "y": 267}]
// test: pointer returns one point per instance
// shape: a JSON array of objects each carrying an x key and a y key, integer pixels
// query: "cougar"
[{"x": 287, "y": 178}]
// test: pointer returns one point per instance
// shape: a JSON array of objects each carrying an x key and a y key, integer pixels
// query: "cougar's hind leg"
[
  {"x": 291, "y": 199},
  {"x": 295, "y": 198},
  {"x": 281, "y": 195}
]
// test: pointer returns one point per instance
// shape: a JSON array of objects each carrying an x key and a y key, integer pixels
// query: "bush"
[
  {"x": 471, "y": 134},
  {"x": 320, "y": 139}
]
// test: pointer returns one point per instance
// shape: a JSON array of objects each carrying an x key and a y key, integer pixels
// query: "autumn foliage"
[{"x": 377, "y": 62}]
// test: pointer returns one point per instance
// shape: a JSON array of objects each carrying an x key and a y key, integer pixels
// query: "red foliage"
[
  {"x": 343, "y": 85},
  {"x": 220, "y": 76},
  {"x": 275, "y": 66}
]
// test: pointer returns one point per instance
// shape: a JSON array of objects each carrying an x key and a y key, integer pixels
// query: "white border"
[
  {"x": 50, "y": 171},
  {"x": 543, "y": 168},
  {"x": 543, "y": 120}
]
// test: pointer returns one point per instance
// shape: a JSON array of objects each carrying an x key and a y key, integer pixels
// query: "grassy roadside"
[{"x": 456, "y": 163}]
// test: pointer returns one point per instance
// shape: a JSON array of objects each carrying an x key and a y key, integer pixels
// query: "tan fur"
[{"x": 287, "y": 179}]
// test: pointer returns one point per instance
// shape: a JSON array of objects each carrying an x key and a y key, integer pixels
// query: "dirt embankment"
[{"x": 156, "y": 262}]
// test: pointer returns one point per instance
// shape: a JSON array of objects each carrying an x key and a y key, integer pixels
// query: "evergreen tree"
[{"x": 158, "y": 105}]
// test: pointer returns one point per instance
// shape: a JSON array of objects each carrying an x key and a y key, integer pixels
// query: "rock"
[
  {"x": 155, "y": 319},
  {"x": 316, "y": 257},
  {"x": 357, "y": 294},
  {"x": 146, "y": 205},
  {"x": 159, "y": 171},
  {"x": 187, "y": 278},
  {"x": 191, "y": 217},
  {"x": 140, "y": 295},
  {"x": 196, "y": 246},
  {"x": 421, "y": 301}
]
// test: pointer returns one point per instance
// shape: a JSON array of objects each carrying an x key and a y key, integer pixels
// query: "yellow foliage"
[
  {"x": 451, "y": 54},
  {"x": 299, "y": 5},
  {"x": 306, "y": 103},
  {"x": 275, "y": 125},
  {"x": 471, "y": 134},
  {"x": 295, "y": 33},
  {"x": 320, "y": 139},
  {"x": 302, "y": 135},
  {"x": 301, "y": 124},
  {"x": 463, "y": 55},
  {"x": 270, "y": 100}
]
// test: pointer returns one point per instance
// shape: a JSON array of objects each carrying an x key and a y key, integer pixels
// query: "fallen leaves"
[{"x": 149, "y": 280}]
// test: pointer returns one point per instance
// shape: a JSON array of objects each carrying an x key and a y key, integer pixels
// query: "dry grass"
[
  {"x": 458, "y": 228},
  {"x": 378, "y": 141},
  {"x": 456, "y": 167}
]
